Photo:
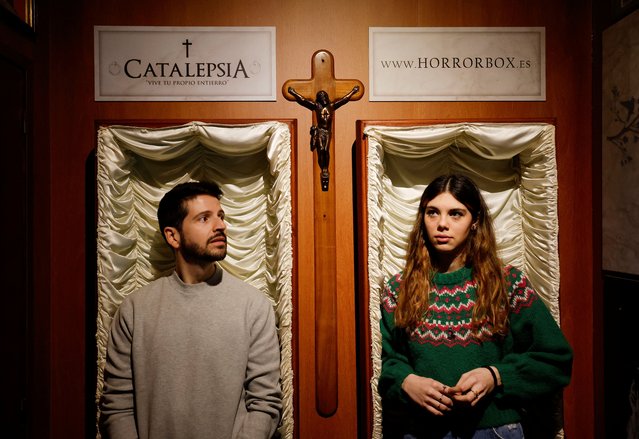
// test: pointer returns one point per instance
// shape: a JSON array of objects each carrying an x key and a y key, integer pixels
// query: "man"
[{"x": 194, "y": 354}]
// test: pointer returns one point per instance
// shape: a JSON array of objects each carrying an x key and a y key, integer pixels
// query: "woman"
[{"x": 465, "y": 341}]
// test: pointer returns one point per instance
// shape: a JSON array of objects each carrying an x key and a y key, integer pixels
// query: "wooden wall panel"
[{"x": 304, "y": 26}]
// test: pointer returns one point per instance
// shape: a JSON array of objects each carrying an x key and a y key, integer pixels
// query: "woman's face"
[{"x": 447, "y": 223}]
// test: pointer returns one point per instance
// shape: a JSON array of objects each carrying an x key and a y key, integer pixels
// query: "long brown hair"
[{"x": 480, "y": 253}]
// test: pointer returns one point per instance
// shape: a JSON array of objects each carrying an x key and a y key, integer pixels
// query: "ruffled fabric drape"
[
  {"x": 252, "y": 165},
  {"x": 513, "y": 165}
]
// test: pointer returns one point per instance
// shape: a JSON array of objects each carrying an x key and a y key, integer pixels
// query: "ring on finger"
[{"x": 474, "y": 393}]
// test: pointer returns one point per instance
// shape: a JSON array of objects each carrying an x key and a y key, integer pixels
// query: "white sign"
[
  {"x": 457, "y": 64},
  {"x": 184, "y": 63}
]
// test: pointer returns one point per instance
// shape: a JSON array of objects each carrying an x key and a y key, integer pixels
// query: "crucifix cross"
[
  {"x": 187, "y": 43},
  {"x": 323, "y": 94}
]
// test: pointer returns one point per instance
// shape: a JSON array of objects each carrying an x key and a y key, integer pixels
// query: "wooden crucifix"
[{"x": 323, "y": 94}]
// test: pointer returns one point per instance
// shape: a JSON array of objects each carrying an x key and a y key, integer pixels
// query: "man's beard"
[{"x": 196, "y": 254}]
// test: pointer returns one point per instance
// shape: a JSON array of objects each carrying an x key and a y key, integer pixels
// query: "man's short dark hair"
[{"x": 172, "y": 209}]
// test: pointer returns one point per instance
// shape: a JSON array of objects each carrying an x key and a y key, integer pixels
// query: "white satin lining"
[
  {"x": 251, "y": 163},
  {"x": 514, "y": 166}
]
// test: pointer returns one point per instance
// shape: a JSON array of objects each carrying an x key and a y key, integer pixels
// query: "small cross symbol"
[{"x": 187, "y": 43}]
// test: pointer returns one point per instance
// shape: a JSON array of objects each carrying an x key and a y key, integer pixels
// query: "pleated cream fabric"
[
  {"x": 513, "y": 165},
  {"x": 252, "y": 165}
]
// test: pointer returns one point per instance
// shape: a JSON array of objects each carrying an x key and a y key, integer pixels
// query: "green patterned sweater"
[{"x": 533, "y": 359}]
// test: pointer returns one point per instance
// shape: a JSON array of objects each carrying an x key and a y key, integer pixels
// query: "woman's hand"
[
  {"x": 428, "y": 393},
  {"x": 473, "y": 386}
]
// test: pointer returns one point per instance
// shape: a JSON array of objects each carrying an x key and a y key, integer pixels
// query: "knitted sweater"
[
  {"x": 192, "y": 361},
  {"x": 533, "y": 359}
]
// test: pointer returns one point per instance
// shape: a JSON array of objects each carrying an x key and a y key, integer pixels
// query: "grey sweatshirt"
[{"x": 192, "y": 361}]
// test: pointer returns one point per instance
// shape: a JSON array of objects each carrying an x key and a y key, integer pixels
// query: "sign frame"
[
  {"x": 164, "y": 63},
  {"x": 457, "y": 64}
]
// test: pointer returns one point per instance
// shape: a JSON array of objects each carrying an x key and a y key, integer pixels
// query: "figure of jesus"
[{"x": 321, "y": 132}]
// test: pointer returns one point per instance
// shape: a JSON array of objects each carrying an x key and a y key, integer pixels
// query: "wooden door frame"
[
  {"x": 91, "y": 250},
  {"x": 364, "y": 359}
]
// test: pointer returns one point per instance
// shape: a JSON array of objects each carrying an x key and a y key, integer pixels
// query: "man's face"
[{"x": 203, "y": 234}]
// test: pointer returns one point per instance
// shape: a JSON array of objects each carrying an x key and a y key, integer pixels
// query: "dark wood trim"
[
  {"x": 10, "y": 18},
  {"x": 364, "y": 336},
  {"x": 166, "y": 123}
]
